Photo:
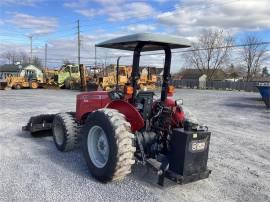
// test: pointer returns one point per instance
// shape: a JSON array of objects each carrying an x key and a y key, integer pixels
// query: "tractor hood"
[{"x": 153, "y": 42}]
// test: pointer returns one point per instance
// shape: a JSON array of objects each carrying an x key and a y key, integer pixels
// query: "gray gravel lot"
[{"x": 31, "y": 169}]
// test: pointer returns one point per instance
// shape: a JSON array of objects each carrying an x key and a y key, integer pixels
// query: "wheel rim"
[
  {"x": 98, "y": 147},
  {"x": 59, "y": 133}
]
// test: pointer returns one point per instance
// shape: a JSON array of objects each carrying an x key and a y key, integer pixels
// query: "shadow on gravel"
[
  {"x": 244, "y": 102},
  {"x": 256, "y": 99},
  {"x": 246, "y": 105},
  {"x": 74, "y": 162},
  {"x": 147, "y": 176},
  {"x": 39, "y": 134}
]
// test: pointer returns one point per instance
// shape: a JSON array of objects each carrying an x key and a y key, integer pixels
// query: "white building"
[
  {"x": 9, "y": 70},
  {"x": 32, "y": 70}
]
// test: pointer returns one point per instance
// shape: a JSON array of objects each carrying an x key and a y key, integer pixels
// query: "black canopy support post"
[
  {"x": 83, "y": 77},
  {"x": 166, "y": 73},
  {"x": 135, "y": 68},
  {"x": 148, "y": 73},
  {"x": 117, "y": 73}
]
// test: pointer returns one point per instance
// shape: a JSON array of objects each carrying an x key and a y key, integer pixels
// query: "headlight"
[{"x": 179, "y": 102}]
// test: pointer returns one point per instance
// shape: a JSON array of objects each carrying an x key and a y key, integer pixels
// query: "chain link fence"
[{"x": 218, "y": 85}]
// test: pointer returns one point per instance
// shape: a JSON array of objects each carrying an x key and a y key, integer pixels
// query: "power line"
[
  {"x": 182, "y": 51},
  {"x": 199, "y": 49},
  {"x": 149, "y": 54}
]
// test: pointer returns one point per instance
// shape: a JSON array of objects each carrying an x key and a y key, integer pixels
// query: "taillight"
[
  {"x": 128, "y": 90},
  {"x": 170, "y": 90}
]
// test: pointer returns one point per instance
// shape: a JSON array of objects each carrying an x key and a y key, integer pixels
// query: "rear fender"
[
  {"x": 89, "y": 102},
  {"x": 132, "y": 115}
]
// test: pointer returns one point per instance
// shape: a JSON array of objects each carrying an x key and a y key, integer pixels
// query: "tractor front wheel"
[
  {"x": 65, "y": 132},
  {"x": 107, "y": 145}
]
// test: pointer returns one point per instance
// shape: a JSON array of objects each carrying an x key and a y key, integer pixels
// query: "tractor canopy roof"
[{"x": 153, "y": 42}]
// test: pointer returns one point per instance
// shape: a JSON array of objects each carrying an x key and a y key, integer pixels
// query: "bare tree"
[
  {"x": 211, "y": 52},
  {"x": 11, "y": 56},
  {"x": 265, "y": 72},
  {"x": 23, "y": 57},
  {"x": 14, "y": 56},
  {"x": 67, "y": 62},
  {"x": 36, "y": 61},
  {"x": 253, "y": 55}
]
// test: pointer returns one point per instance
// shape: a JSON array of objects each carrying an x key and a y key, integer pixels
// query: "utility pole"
[
  {"x": 79, "y": 43},
  {"x": 31, "y": 49},
  {"x": 95, "y": 56},
  {"x": 46, "y": 46}
]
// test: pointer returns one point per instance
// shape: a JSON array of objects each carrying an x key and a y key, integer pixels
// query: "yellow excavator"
[
  {"x": 148, "y": 78},
  {"x": 108, "y": 80},
  {"x": 26, "y": 79}
]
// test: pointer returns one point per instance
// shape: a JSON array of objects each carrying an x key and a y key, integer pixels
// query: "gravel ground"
[{"x": 31, "y": 169}]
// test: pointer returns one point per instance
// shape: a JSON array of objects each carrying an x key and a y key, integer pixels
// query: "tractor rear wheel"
[
  {"x": 65, "y": 132},
  {"x": 107, "y": 145}
]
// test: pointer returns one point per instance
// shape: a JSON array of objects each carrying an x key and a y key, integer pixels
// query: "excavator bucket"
[{"x": 39, "y": 123}]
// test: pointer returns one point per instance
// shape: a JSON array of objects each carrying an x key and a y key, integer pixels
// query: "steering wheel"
[{"x": 116, "y": 95}]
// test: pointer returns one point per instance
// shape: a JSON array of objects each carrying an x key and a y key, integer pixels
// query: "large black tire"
[
  {"x": 33, "y": 84},
  {"x": 67, "y": 83},
  {"x": 17, "y": 86},
  {"x": 119, "y": 139},
  {"x": 65, "y": 132}
]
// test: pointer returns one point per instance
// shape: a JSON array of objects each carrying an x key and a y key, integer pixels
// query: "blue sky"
[{"x": 54, "y": 22}]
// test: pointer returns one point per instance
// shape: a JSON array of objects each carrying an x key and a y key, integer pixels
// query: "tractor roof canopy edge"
[{"x": 153, "y": 42}]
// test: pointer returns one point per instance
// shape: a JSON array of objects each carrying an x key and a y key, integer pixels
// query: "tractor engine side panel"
[
  {"x": 89, "y": 102},
  {"x": 178, "y": 115}
]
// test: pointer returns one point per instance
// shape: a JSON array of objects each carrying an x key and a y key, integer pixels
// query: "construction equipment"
[
  {"x": 27, "y": 78},
  {"x": 19, "y": 82},
  {"x": 88, "y": 79},
  {"x": 148, "y": 78},
  {"x": 109, "y": 79},
  {"x": 119, "y": 127},
  {"x": 68, "y": 76},
  {"x": 3, "y": 84}
]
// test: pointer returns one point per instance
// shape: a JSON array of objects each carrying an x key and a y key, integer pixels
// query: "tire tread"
[
  {"x": 124, "y": 140},
  {"x": 71, "y": 131}
]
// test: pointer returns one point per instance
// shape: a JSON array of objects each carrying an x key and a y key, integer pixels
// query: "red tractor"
[{"x": 118, "y": 127}]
